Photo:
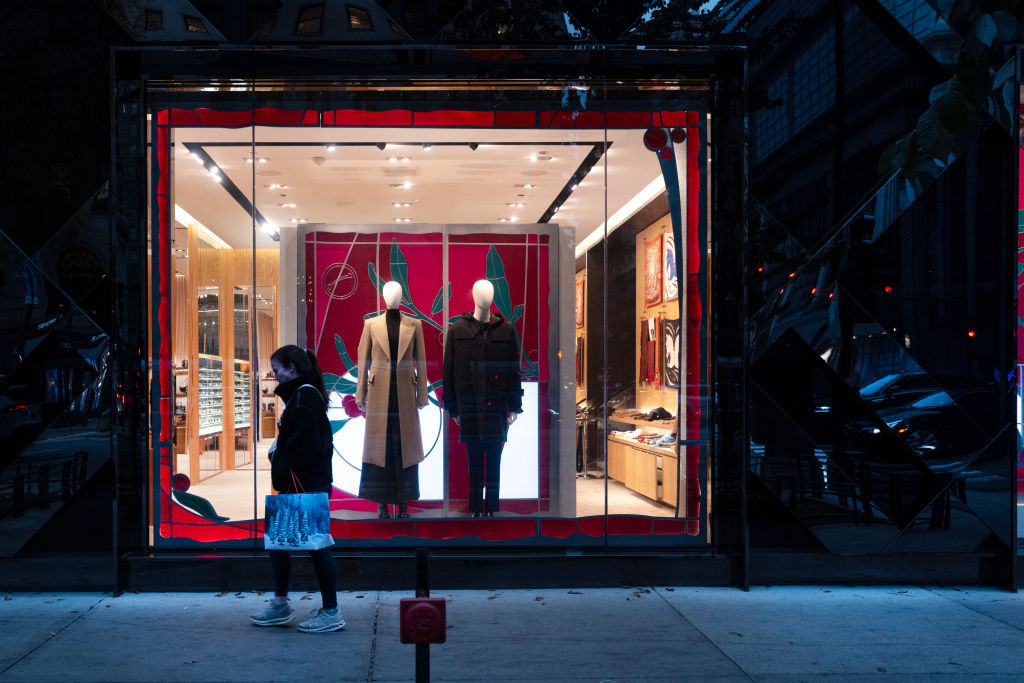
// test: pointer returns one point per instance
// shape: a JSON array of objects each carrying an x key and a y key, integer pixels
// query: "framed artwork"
[
  {"x": 671, "y": 345},
  {"x": 652, "y": 272},
  {"x": 671, "y": 275},
  {"x": 579, "y": 303}
]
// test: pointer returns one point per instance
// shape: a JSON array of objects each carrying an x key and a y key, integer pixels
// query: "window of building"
[
  {"x": 195, "y": 24},
  {"x": 432, "y": 207},
  {"x": 311, "y": 18},
  {"x": 154, "y": 20},
  {"x": 359, "y": 19}
]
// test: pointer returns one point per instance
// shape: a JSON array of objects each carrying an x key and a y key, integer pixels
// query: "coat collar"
[{"x": 406, "y": 328}]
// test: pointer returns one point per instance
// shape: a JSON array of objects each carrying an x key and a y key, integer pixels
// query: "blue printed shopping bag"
[{"x": 297, "y": 521}]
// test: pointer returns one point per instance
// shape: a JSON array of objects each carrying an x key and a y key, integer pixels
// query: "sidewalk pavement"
[{"x": 610, "y": 634}]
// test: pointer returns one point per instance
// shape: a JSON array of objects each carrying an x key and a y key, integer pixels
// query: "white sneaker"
[
  {"x": 277, "y": 614},
  {"x": 322, "y": 621}
]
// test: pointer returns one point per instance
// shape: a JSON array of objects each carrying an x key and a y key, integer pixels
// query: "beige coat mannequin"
[{"x": 373, "y": 380}]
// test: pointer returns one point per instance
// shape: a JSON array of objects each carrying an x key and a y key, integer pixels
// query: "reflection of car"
[
  {"x": 902, "y": 388},
  {"x": 939, "y": 425},
  {"x": 15, "y": 416}
]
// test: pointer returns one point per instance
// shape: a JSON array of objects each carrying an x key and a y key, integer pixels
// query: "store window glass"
[{"x": 509, "y": 303}]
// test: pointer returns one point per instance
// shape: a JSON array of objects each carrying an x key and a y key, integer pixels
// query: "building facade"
[{"x": 782, "y": 364}]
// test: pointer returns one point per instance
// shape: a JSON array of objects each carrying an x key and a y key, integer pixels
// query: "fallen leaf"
[
  {"x": 492, "y": 597},
  {"x": 190, "y": 661},
  {"x": 538, "y": 598},
  {"x": 259, "y": 592},
  {"x": 736, "y": 634},
  {"x": 8, "y": 597},
  {"x": 826, "y": 591},
  {"x": 305, "y": 597},
  {"x": 107, "y": 606},
  {"x": 451, "y": 626},
  {"x": 955, "y": 664},
  {"x": 53, "y": 633},
  {"x": 575, "y": 593},
  {"x": 74, "y": 611},
  {"x": 671, "y": 590},
  {"x": 220, "y": 595},
  {"x": 360, "y": 596},
  {"x": 881, "y": 670},
  {"x": 238, "y": 594}
]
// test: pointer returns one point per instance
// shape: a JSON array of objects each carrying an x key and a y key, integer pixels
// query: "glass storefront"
[{"x": 300, "y": 215}]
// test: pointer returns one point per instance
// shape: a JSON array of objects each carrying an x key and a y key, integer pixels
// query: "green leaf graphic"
[
  {"x": 342, "y": 353},
  {"x": 400, "y": 270},
  {"x": 517, "y": 313},
  {"x": 496, "y": 274},
  {"x": 374, "y": 278},
  {"x": 439, "y": 300},
  {"x": 336, "y": 425}
]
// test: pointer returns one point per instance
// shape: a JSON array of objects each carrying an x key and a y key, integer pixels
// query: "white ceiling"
[{"x": 451, "y": 183}]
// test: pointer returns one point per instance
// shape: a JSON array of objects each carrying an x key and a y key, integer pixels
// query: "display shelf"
[
  {"x": 210, "y": 395},
  {"x": 242, "y": 412}
]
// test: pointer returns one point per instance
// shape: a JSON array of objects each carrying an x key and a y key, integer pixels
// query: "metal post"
[{"x": 422, "y": 591}]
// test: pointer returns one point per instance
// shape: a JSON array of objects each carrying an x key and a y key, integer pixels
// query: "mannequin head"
[
  {"x": 392, "y": 294},
  {"x": 483, "y": 295}
]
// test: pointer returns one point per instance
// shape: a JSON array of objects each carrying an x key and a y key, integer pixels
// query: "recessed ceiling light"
[
  {"x": 288, "y": 205},
  {"x": 397, "y": 159},
  {"x": 262, "y": 160},
  {"x": 249, "y": 160},
  {"x": 276, "y": 186},
  {"x": 403, "y": 220},
  {"x": 503, "y": 220},
  {"x": 427, "y": 146},
  {"x": 533, "y": 157},
  {"x": 406, "y": 185},
  {"x": 302, "y": 220},
  {"x": 513, "y": 219},
  {"x": 525, "y": 186},
  {"x": 331, "y": 148},
  {"x": 518, "y": 204},
  {"x": 398, "y": 205}
]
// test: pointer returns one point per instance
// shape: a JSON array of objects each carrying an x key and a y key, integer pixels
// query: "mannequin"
[
  {"x": 391, "y": 386},
  {"x": 482, "y": 392}
]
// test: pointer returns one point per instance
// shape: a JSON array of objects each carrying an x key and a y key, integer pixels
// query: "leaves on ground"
[
  {"x": 575, "y": 592},
  {"x": 305, "y": 597},
  {"x": 881, "y": 670},
  {"x": 190, "y": 661},
  {"x": 539, "y": 598},
  {"x": 493, "y": 597},
  {"x": 671, "y": 590},
  {"x": 736, "y": 634},
  {"x": 221, "y": 595}
]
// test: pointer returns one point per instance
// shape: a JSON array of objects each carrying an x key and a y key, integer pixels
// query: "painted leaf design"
[
  {"x": 336, "y": 425},
  {"x": 400, "y": 270},
  {"x": 339, "y": 344},
  {"x": 517, "y": 313},
  {"x": 439, "y": 300},
  {"x": 374, "y": 278},
  {"x": 496, "y": 274}
]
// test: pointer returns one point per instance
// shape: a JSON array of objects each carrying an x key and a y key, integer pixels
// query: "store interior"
[{"x": 241, "y": 195}]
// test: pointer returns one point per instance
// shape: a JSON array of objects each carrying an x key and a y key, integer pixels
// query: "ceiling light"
[
  {"x": 533, "y": 157},
  {"x": 288, "y": 205},
  {"x": 525, "y": 186},
  {"x": 503, "y": 220},
  {"x": 302, "y": 220},
  {"x": 518, "y": 204},
  {"x": 427, "y": 147},
  {"x": 403, "y": 220},
  {"x": 401, "y": 204},
  {"x": 513, "y": 219},
  {"x": 249, "y": 160},
  {"x": 406, "y": 185},
  {"x": 331, "y": 147},
  {"x": 397, "y": 159},
  {"x": 262, "y": 160}
]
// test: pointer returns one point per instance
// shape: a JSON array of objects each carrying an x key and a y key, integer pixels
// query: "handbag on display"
[{"x": 297, "y": 521}]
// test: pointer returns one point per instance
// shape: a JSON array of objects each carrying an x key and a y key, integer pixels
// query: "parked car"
[
  {"x": 943, "y": 424},
  {"x": 903, "y": 388}
]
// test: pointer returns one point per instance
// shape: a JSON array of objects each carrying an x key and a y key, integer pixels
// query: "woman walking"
[{"x": 301, "y": 463}]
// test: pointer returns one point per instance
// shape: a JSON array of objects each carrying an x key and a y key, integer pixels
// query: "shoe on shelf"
[
  {"x": 277, "y": 614},
  {"x": 322, "y": 621}
]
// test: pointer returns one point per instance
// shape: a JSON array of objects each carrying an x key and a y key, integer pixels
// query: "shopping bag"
[{"x": 297, "y": 521}]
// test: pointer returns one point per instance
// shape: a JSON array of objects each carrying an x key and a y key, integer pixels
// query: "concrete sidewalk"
[{"x": 610, "y": 634}]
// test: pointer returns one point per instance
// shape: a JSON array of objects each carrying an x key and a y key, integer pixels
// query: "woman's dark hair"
[{"x": 304, "y": 362}]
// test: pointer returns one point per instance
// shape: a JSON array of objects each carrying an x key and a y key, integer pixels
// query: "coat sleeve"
[
  {"x": 363, "y": 363},
  {"x": 451, "y": 403},
  {"x": 422, "y": 383},
  {"x": 513, "y": 382}
]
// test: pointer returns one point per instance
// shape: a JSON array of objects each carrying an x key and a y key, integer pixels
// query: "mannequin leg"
[
  {"x": 493, "y": 476},
  {"x": 475, "y": 453}
]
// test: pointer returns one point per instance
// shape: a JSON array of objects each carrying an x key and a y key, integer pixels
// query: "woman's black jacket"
[{"x": 305, "y": 443}]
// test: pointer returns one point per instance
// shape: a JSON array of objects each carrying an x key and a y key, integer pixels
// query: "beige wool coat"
[{"x": 373, "y": 381}]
